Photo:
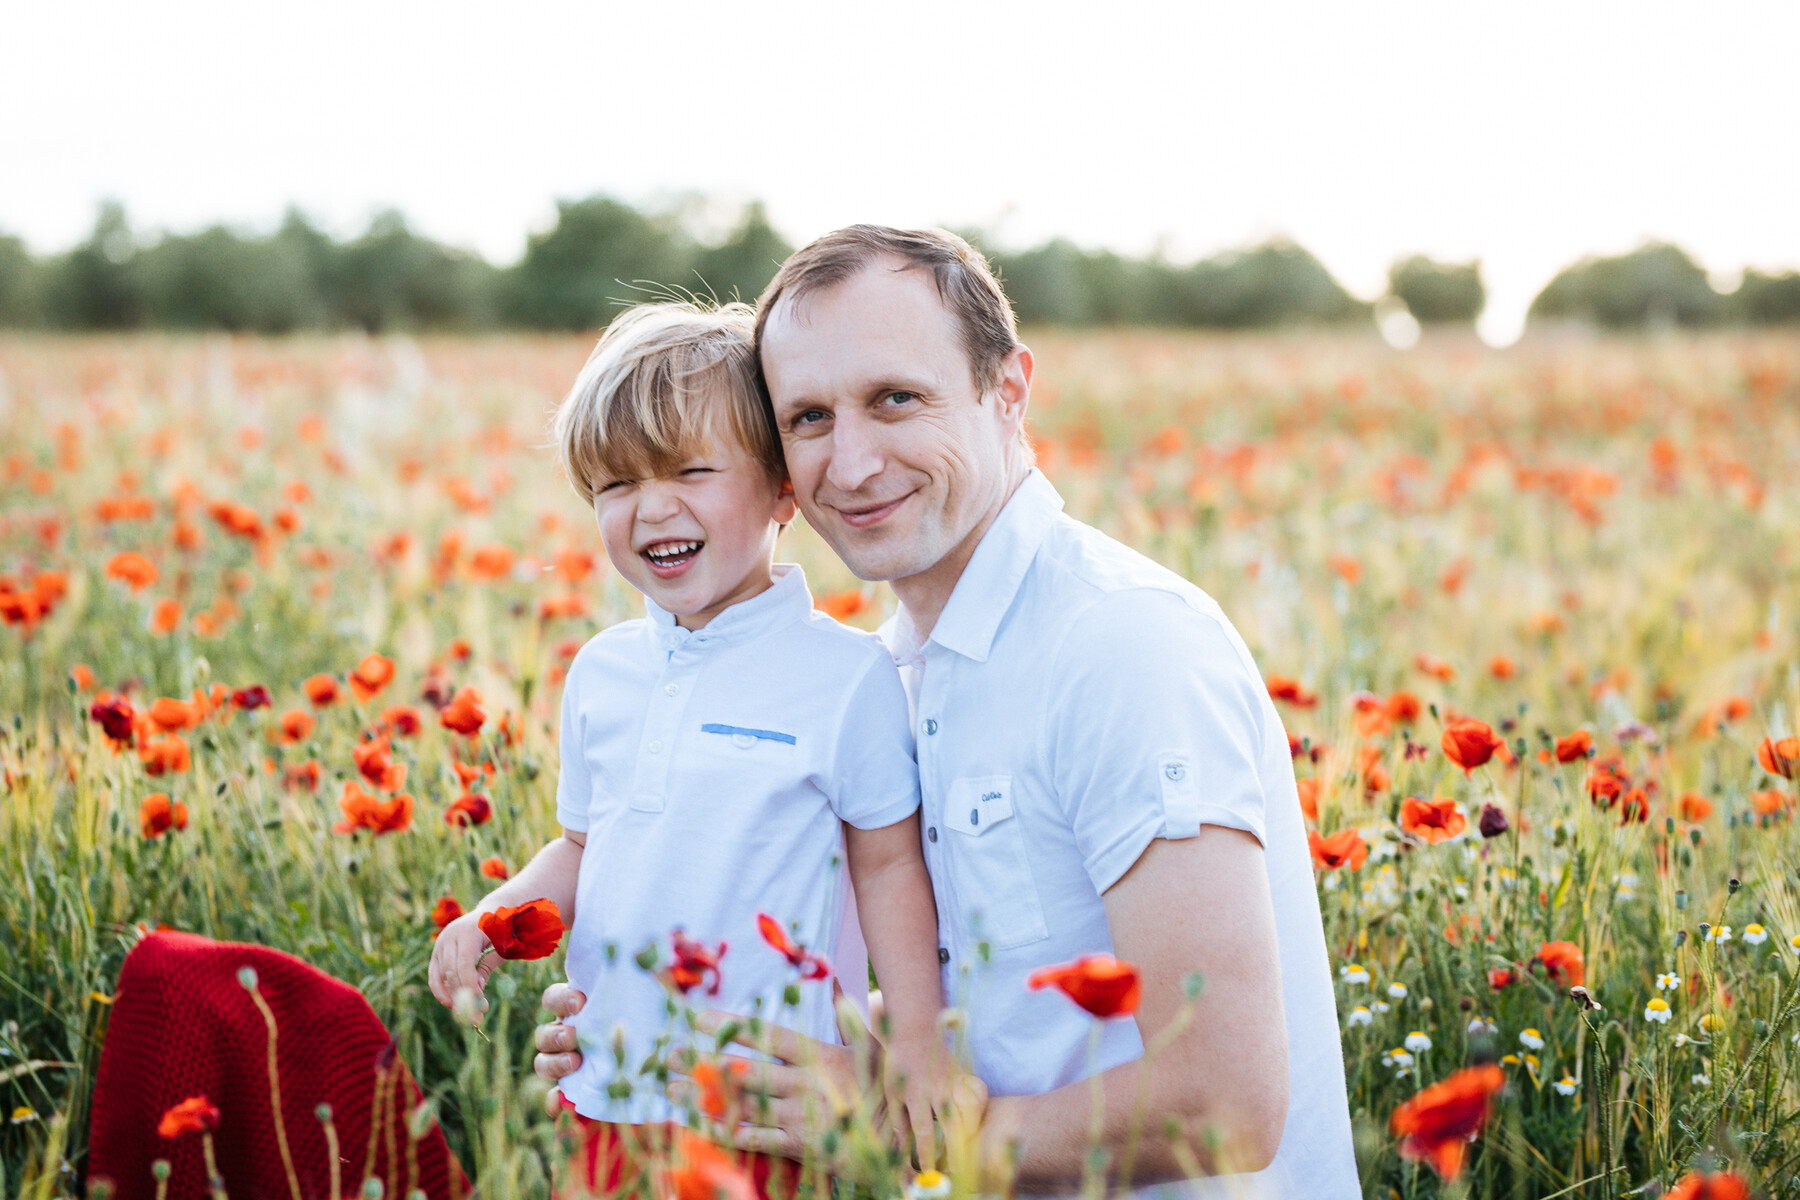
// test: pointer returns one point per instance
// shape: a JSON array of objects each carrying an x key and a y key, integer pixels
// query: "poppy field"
[{"x": 285, "y": 624}]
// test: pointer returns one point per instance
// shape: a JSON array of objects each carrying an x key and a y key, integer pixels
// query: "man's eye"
[
  {"x": 811, "y": 416},
  {"x": 896, "y": 399}
]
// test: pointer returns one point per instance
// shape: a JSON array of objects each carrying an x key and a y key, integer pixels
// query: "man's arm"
[{"x": 1199, "y": 904}]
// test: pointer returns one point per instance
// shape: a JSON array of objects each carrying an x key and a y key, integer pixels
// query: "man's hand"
[
  {"x": 795, "y": 1098},
  {"x": 454, "y": 963},
  {"x": 558, "y": 1053},
  {"x": 918, "y": 1079}
]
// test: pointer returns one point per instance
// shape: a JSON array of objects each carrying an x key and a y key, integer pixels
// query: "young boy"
[{"x": 724, "y": 756}]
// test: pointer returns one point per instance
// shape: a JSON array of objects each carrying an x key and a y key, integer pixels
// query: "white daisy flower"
[
  {"x": 1565, "y": 1085},
  {"x": 1397, "y": 990},
  {"x": 1379, "y": 1005},
  {"x": 1720, "y": 934},
  {"x": 1682, "y": 1039},
  {"x": 929, "y": 1185},
  {"x": 1702, "y": 1080},
  {"x": 1657, "y": 1010},
  {"x": 1756, "y": 935},
  {"x": 1398, "y": 1059},
  {"x": 1667, "y": 981},
  {"x": 1354, "y": 973},
  {"x": 1531, "y": 1039},
  {"x": 22, "y": 1114},
  {"x": 1509, "y": 1060},
  {"x": 1478, "y": 1025},
  {"x": 1795, "y": 941},
  {"x": 1531, "y": 1064},
  {"x": 1417, "y": 1042},
  {"x": 1361, "y": 1016}
]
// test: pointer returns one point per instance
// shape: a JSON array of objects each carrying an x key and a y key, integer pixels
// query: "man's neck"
[{"x": 923, "y": 596}]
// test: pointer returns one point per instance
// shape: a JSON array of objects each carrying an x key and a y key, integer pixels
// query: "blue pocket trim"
[{"x": 765, "y": 734}]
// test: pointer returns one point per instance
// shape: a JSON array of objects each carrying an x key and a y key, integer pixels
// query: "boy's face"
[{"x": 700, "y": 539}]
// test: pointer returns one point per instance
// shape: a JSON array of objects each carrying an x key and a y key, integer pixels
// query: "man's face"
[{"x": 896, "y": 457}]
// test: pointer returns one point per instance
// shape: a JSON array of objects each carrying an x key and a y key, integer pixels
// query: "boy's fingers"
[
  {"x": 563, "y": 1000},
  {"x": 924, "y": 1141},
  {"x": 762, "y": 1139},
  {"x": 554, "y": 1036},
  {"x": 552, "y": 1067}
]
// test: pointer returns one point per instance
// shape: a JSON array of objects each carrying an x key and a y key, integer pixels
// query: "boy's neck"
[{"x": 751, "y": 588}]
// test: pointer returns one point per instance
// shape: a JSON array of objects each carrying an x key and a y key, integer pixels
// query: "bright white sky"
[{"x": 1525, "y": 132}]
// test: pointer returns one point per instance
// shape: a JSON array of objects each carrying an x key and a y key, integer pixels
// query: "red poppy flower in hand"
[
  {"x": 693, "y": 964},
  {"x": 1099, "y": 983},
  {"x": 524, "y": 931},
  {"x": 812, "y": 966}
]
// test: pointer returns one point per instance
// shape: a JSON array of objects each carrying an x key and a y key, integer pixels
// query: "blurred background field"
[{"x": 1580, "y": 532}]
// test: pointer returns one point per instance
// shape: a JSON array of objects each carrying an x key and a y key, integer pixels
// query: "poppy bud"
[{"x": 1493, "y": 821}]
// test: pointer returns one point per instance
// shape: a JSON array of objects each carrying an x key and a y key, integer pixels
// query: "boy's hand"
[
  {"x": 919, "y": 1078},
  {"x": 457, "y": 963}
]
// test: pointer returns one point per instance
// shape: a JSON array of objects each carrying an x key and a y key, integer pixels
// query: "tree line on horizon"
[{"x": 602, "y": 255}]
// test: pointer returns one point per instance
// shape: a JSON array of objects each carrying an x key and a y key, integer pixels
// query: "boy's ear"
[{"x": 785, "y": 503}]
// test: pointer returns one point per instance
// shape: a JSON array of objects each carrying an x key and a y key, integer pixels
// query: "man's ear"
[{"x": 1012, "y": 394}]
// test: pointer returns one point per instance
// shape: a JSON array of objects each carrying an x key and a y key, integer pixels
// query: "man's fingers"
[
  {"x": 553, "y": 1037},
  {"x": 552, "y": 1067},
  {"x": 552, "y": 1101},
  {"x": 563, "y": 1000},
  {"x": 763, "y": 1139},
  {"x": 778, "y": 1040},
  {"x": 918, "y": 1115}
]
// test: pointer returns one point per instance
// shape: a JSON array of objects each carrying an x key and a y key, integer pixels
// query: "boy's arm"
[
  {"x": 551, "y": 874},
  {"x": 899, "y": 923}
]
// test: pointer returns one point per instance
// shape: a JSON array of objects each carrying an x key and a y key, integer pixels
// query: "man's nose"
[{"x": 856, "y": 454}]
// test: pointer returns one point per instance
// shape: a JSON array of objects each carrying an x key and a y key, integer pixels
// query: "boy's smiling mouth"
[{"x": 670, "y": 557}]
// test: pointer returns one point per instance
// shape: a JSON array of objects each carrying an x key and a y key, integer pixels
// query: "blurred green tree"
[
  {"x": 601, "y": 256},
  {"x": 740, "y": 267},
  {"x": 1655, "y": 285},
  {"x": 92, "y": 286},
  {"x": 1766, "y": 299},
  {"x": 1438, "y": 293},
  {"x": 20, "y": 304}
]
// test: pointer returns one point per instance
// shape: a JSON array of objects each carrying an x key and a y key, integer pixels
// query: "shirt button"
[
  {"x": 930, "y": 726},
  {"x": 931, "y": 833},
  {"x": 1176, "y": 772},
  {"x": 943, "y": 956},
  {"x": 654, "y": 747},
  {"x": 674, "y": 689}
]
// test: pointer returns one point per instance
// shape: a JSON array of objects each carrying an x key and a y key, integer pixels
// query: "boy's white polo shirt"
[
  {"x": 1074, "y": 701},
  {"x": 710, "y": 771}
]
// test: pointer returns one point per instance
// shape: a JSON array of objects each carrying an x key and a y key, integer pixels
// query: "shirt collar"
[
  {"x": 782, "y": 603},
  {"x": 986, "y": 589}
]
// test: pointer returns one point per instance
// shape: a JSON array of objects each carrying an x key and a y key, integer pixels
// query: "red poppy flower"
[
  {"x": 464, "y": 714},
  {"x": 1502, "y": 667},
  {"x": 1437, "y": 1124},
  {"x": 1099, "y": 983},
  {"x": 1469, "y": 743},
  {"x": 296, "y": 725},
  {"x": 83, "y": 675},
  {"x": 376, "y": 763},
  {"x": 467, "y": 810},
  {"x": 251, "y": 698},
  {"x": 719, "y": 1082},
  {"x": 1431, "y": 820},
  {"x": 116, "y": 718},
  {"x": 1564, "y": 962},
  {"x": 163, "y": 755},
  {"x": 165, "y": 618},
  {"x": 1636, "y": 807},
  {"x": 196, "y": 1114},
  {"x": 693, "y": 964},
  {"x": 1576, "y": 745},
  {"x": 1695, "y": 807},
  {"x": 403, "y": 719},
  {"x": 1435, "y": 667},
  {"x": 158, "y": 814},
  {"x": 1308, "y": 790},
  {"x": 1770, "y": 803},
  {"x": 495, "y": 868},
  {"x": 699, "y": 1170},
  {"x": 133, "y": 569},
  {"x": 1369, "y": 715},
  {"x": 1345, "y": 848},
  {"x": 1402, "y": 707},
  {"x": 1780, "y": 756},
  {"x": 321, "y": 689},
  {"x": 1499, "y": 978},
  {"x": 1696, "y": 1185},
  {"x": 371, "y": 675},
  {"x": 524, "y": 931},
  {"x": 1289, "y": 690},
  {"x": 363, "y": 811},
  {"x": 445, "y": 911},
  {"x": 812, "y": 966},
  {"x": 302, "y": 776}
]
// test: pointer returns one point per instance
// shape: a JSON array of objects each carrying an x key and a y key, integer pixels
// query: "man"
[{"x": 1101, "y": 768}]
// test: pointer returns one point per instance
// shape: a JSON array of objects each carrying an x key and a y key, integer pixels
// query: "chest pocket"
[{"x": 993, "y": 878}]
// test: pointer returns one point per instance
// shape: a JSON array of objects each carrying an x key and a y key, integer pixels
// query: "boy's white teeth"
[{"x": 672, "y": 549}]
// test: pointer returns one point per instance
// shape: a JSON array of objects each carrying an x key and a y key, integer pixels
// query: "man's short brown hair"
[{"x": 964, "y": 281}]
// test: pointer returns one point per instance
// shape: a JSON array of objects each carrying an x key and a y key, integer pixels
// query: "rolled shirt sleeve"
[
  {"x": 875, "y": 775},
  {"x": 1156, "y": 728}
]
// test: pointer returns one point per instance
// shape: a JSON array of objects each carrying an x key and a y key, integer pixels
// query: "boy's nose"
[{"x": 657, "y": 501}]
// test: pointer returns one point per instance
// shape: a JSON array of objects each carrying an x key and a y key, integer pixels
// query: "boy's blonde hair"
[{"x": 663, "y": 382}]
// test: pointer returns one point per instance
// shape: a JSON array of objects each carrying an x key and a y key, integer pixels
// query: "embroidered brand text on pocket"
[{"x": 991, "y": 871}]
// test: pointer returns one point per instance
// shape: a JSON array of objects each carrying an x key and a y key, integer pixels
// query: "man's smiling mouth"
[
  {"x": 862, "y": 518},
  {"x": 670, "y": 557}
]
